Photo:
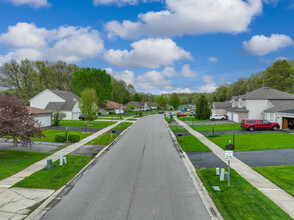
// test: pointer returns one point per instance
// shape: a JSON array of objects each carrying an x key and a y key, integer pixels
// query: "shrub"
[
  {"x": 74, "y": 138},
  {"x": 213, "y": 135},
  {"x": 60, "y": 138}
]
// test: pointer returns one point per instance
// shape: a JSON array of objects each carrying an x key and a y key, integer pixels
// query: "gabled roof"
[
  {"x": 222, "y": 105},
  {"x": 280, "y": 105},
  {"x": 34, "y": 111},
  {"x": 112, "y": 104},
  {"x": 64, "y": 106},
  {"x": 67, "y": 96},
  {"x": 137, "y": 104},
  {"x": 236, "y": 109},
  {"x": 266, "y": 93},
  {"x": 151, "y": 104}
]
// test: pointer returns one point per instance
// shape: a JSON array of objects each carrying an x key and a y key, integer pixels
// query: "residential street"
[{"x": 141, "y": 177}]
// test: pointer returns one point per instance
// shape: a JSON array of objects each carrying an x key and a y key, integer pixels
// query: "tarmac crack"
[{"x": 137, "y": 178}]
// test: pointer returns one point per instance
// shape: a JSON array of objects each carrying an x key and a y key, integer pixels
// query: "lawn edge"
[
  {"x": 203, "y": 193},
  {"x": 52, "y": 200}
]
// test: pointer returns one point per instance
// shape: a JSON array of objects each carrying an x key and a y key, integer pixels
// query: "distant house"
[
  {"x": 67, "y": 102},
  {"x": 142, "y": 106},
  {"x": 43, "y": 116},
  {"x": 112, "y": 107},
  {"x": 263, "y": 103},
  {"x": 220, "y": 108}
]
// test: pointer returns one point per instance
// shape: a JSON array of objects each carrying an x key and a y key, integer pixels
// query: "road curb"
[
  {"x": 203, "y": 193},
  {"x": 52, "y": 200}
]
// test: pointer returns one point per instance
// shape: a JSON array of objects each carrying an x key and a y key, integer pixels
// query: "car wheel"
[
  {"x": 275, "y": 128},
  {"x": 251, "y": 128}
]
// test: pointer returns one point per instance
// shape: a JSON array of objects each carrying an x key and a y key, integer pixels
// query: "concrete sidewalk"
[
  {"x": 273, "y": 192},
  {"x": 17, "y": 203}
]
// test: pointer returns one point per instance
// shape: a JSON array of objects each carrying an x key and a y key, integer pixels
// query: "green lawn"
[
  {"x": 81, "y": 124},
  {"x": 50, "y": 135},
  {"x": 103, "y": 139},
  {"x": 192, "y": 144},
  {"x": 116, "y": 116},
  {"x": 109, "y": 119},
  {"x": 257, "y": 141},
  {"x": 175, "y": 128},
  {"x": 132, "y": 119},
  {"x": 191, "y": 118},
  {"x": 282, "y": 176},
  {"x": 168, "y": 119},
  {"x": 123, "y": 125},
  {"x": 12, "y": 162},
  {"x": 57, "y": 177},
  {"x": 217, "y": 127},
  {"x": 241, "y": 200}
]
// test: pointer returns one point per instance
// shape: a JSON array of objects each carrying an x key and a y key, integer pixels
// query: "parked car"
[
  {"x": 160, "y": 112},
  {"x": 252, "y": 124},
  {"x": 192, "y": 114},
  {"x": 217, "y": 117},
  {"x": 81, "y": 117},
  {"x": 182, "y": 114}
]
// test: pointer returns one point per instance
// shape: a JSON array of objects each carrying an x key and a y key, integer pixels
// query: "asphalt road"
[
  {"x": 141, "y": 177},
  {"x": 274, "y": 157}
]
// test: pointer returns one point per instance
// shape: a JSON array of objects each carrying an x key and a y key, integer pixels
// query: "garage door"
[
  {"x": 44, "y": 120},
  {"x": 75, "y": 116},
  {"x": 229, "y": 116},
  {"x": 235, "y": 117}
]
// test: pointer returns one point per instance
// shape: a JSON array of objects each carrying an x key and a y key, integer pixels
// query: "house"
[
  {"x": 43, "y": 116},
  {"x": 142, "y": 106},
  {"x": 285, "y": 118},
  {"x": 111, "y": 107},
  {"x": 262, "y": 103},
  {"x": 220, "y": 108},
  {"x": 67, "y": 102}
]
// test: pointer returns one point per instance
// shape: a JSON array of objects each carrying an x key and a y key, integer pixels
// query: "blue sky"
[{"x": 158, "y": 46}]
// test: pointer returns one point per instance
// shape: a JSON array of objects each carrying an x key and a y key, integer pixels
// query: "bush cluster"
[
  {"x": 60, "y": 138},
  {"x": 74, "y": 138}
]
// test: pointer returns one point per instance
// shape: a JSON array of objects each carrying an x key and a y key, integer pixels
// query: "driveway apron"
[{"x": 141, "y": 177}]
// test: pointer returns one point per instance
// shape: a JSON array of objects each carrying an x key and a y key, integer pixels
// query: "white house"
[
  {"x": 262, "y": 103},
  {"x": 112, "y": 107},
  {"x": 44, "y": 117},
  {"x": 142, "y": 106},
  {"x": 67, "y": 102}
]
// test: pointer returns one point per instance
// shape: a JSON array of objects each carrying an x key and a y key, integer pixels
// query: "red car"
[
  {"x": 252, "y": 124},
  {"x": 182, "y": 114}
]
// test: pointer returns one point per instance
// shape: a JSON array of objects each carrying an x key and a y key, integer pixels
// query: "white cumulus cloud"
[
  {"x": 67, "y": 43},
  {"x": 212, "y": 59},
  {"x": 209, "y": 85},
  {"x": 261, "y": 45},
  {"x": 33, "y": 3},
  {"x": 150, "y": 53},
  {"x": 125, "y": 75},
  {"x": 153, "y": 80},
  {"x": 189, "y": 17},
  {"x": 115, "y": 2},
  {"x": 187, "y": 72}
]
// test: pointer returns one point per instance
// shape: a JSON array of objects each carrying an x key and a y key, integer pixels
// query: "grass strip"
[
  {"x": 257, "y": 141},
  {"x": 123, "y": 125},
  {"x": 192, "y": 144},
  {"x": 217, "y": 127},
  {"x": 131, "y": 119},
  {"x": 191, "y": 118},
  {"x": 11, "y": 162},
  {"x": 57, "y": 177},
  {"x": 51, "y": 133},
  {"x": 81, "y": 124},
  {"x": 103, "y": 139},
  {"x": 282, "y": 176},
  {"x": 241, "y": 200},
  {"x": 176, "y": 128}
]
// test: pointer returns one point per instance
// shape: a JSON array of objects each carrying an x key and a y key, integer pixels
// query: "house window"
[{"x": 271, "y": 116}]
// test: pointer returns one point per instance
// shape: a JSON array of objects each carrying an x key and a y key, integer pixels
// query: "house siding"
[
  {"x": 42, "y": 100},
  {"x": 256, "y": 108}
]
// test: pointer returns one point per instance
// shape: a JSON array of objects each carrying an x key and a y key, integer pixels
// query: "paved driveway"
[
  {"x": 225, "y": 132},
  {"x": 141, "y": 177}
]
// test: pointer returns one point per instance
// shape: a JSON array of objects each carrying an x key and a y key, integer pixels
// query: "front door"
[{"x": 285, "y": 124}]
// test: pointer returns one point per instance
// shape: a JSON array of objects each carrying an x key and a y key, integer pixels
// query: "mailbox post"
[
  {"x": 112, "y": 132},
  {"x": 181, "y": 135},
  {"x": 229, "y": 157}
]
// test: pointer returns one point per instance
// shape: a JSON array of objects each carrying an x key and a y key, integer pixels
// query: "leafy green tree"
[
  {"x": 174, "y": 100},
  {"x": 121, "y": 92},
  {"x": 96, "y": 79},
  {"x": 89, "y": 104},
  {"x": 58, "y": 116},
  {"x": 130, "y": 107},
  {"x": 280, "y": 76},
  {"x": 137, "y": 97},
  {"x": 203, "y": 110},
  {"x": 185, "y": 100},
  {"x": 161, "y": 101}
]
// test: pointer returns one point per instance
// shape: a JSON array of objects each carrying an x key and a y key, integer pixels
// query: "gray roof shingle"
[
  {"x": 222, "y": 105},
  {"x": 67, "y": 96},
  {"x": 265, "y": 93},
  {"x": 64, "y": 106},
  {"x": 280, "y": 105}
]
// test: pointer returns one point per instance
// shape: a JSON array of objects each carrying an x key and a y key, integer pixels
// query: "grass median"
[
  {"x": 191, "y": 118},
  {"x": 103, "y": 139},
  {"x": 192, "y": 144},
  {"x": 257, "y": 141},
  {"x": 81, "y": 124},
  {"x": 12, "y": 162},
  {"x": 241, "y": 200},
  {"x": 58, "y": 176},
  {"x": 123, "y": 125},
  {"x": 51, "y": 133},
  {"x": 176, "y": 128},
  {"x": 282, "y": 176},
  {"x": 217, "y": 127}
]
